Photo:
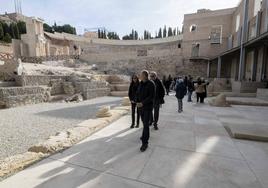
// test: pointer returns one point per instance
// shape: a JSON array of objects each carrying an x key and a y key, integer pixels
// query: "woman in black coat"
[{"x": 132, "y": 94}]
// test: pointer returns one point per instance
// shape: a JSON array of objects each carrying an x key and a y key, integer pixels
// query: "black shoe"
[
  {"x": 132, "y": 126},
  {"x": 156, "y": 128},
  {"x": 143, "y": 147},
  {"x": 137, "y": 126}
]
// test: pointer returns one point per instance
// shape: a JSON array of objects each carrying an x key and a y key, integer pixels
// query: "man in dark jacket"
[
  {"x": 159, "y": 99},
  {"x": 190, "y": 87},
  {"x": 180, "y": 93},
  {"x": 145, "y": 99}
]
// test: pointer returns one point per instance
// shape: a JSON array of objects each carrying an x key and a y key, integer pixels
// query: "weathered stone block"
[{"x": 17, "y": 96}]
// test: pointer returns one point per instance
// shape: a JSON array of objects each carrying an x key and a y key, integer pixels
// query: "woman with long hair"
[{"x": 132, "y": 94}]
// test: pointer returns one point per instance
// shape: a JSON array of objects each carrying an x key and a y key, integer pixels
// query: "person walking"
[
  {"x": 164, "y": 81},
  {"x": 200, "y": 90},
  {"x": 158, "y": 100},
  {"x": 168, "y": 84},
  {"x": 132, "y": 94},
  {"x": 181, "y": 91},
  {"x": 190, "y": 88},
  {"x": 205, "y": 94},
  {"x": 145, "y": 100}
]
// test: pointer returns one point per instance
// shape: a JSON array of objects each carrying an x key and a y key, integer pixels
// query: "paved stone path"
[
  {"x": 25, "y": 126},
  {"x": 191, "y": 150}
]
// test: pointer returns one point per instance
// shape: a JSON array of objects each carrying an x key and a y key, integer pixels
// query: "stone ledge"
[
  {"x": 247, "y": 132},
  {"x": 119, "y": 93},
  {"x": 61, "y": 141},
  {"x": 66, "y": 139},
  {"x": 19, "y": 162}
]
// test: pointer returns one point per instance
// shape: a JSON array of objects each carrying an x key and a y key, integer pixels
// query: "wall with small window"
[{"x": 216, "y": 34}]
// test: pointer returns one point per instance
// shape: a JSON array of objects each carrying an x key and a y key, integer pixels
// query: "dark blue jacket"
[{"x": 180, "y": 90}]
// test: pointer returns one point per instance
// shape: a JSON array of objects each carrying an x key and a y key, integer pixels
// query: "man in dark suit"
[
  {"x": 158, "y": 100},
  {"x": 145, "y": 101}
]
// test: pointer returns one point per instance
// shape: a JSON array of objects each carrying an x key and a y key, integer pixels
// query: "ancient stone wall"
[
  {"x": 60, "y": 85},
  {"x": 37, "y": 80},
  {"x": 17, "y": 96},
  {"x": 247, "y": 87},
  {"x": 262, "y": 94},
  {"x": 40, "y": 59},
  {"x": 6, "y": 48},
  {"x": 92, "y": 89},
  {"x": 164, "y": 57}
]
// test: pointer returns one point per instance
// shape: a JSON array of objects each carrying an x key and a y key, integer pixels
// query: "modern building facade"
[{"x": 233, "y": 42}]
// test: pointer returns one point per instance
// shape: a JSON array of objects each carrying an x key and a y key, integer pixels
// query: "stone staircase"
[{"x": 119, "y": 86}]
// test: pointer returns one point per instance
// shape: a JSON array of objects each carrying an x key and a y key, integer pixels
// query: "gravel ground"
[{"x": 25, "y": 126}]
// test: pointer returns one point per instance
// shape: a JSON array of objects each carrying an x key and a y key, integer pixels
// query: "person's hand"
[
  {"x": 139, "y": 105},
  {"x": 132, "y": 102}
]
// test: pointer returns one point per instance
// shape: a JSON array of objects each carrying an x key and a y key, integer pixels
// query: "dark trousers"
[
  {"x": 190, "y": 96},
  {"x": 155, "y": 113},
  {"x": 145, "y": 117},
  {"x": 133, "y": 110},
  {"x": 180, "y": 105},
  {"x": 200, "y": 96},
  {"x": 167, "y": 89}
]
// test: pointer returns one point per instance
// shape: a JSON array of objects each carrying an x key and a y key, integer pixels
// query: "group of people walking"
[
  {"x": 147, "y": 93},
  {"x": 146, "y": 96},
  {"x": 188, "y": 86}
]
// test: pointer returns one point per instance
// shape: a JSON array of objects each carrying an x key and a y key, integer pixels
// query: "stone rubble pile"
[
  {"x": 219, "y": 101},
  {"x": 104, "y": 112}
]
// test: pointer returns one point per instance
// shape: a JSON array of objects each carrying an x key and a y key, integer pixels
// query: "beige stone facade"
[
  {"x": 246, "y": 60},
  {"x": 233, "y": 42},
  {"x": 90, "y": 34},
  {"x": 33, "y": 43},
  {"x": 37, "y": 43}
]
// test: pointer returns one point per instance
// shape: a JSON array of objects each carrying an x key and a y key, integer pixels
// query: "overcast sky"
[{"x": 116, "y": 15}]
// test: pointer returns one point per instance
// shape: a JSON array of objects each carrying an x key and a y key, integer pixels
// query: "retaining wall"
[{"x": 18, "y": 96}]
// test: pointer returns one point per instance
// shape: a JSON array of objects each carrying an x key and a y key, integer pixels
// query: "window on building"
[
  {"x": 252, "y": 31},
  {"x": 237, "y": 23},
  {"x": 257, "y": 6},
  {"x": 193, "y": 28},
  {"x": 195, "y": 50},
  {"x": 216, "y": 34},
  {"x": 179, "y": 45},
  {"x": 142, "y": 53}
]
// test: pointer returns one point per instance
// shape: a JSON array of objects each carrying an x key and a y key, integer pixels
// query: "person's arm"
[
  {"x": 162, "y": 89},
  {"x": 129, "y": 93},
  {"x": 135, "y": 98}
]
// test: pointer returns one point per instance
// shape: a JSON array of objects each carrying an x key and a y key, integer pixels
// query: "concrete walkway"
[{"x": 191, "y": 150}]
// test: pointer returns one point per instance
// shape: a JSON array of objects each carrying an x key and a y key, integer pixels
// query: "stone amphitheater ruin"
[{"x": 72, "y": 65}]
